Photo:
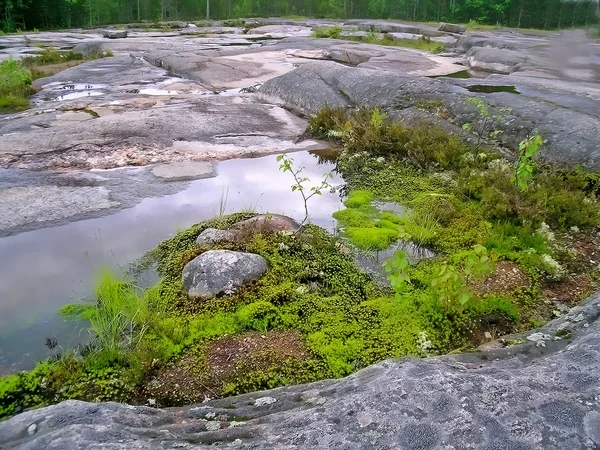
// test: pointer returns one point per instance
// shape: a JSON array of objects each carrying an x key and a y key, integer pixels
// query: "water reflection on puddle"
[{"x": 44, "y": 269}]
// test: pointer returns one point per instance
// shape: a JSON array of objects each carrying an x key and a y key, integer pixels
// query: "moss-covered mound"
[{"x": 314, "y": 315}]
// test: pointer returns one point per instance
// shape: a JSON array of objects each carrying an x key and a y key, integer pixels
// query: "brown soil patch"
[
  {"x": 588, "y": 248},
  {"x": 571, "y": 291},
  {"x": 506, "y": 278},
  {"x": 52, "y": 69},
  {"x": 204, "y": 372}
]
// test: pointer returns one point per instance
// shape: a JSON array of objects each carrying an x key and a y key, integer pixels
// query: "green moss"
[
  {"x": 259, "y": 316},
  {"x": 386, "y": 224},
  {"x": 390, "y": 217},
  {"x": 358, "y": 198},
  {"x": 353, "y": 218},
  {"x": 373, "y": 239}
]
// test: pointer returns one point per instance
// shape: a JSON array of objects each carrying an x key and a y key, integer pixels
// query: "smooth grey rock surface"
[
  {"x": 267, "y": 222},
  {"x": 214, "y": 236},
  {"x": 523, "y": 397},
  {"x": 25, "y": 205},
  {"x": 112, "y": 34},
  {"x": 570, "y": 123},
  {"x": 139, "y": 128},
  {"x": 221, "y": 271},
  {"x": 88, "y": 48},
  {"x": 452, "y": 28},
  {"x": 494, "y": 60}
]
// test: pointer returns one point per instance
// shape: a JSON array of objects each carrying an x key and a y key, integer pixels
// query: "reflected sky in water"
[{"x": 47, "y": 268}]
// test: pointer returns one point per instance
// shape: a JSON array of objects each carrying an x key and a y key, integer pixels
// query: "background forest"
[{"x": 52, "y": 14}]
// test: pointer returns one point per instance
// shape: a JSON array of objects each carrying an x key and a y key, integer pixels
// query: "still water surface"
[{"x": 44, "y": 269}]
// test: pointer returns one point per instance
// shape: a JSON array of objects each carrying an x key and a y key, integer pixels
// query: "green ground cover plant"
[
  {"x": 15, "y": 86},
  {"x": 16, "y": 75},
  {"x": 423, "y": 43},
  {"x": 462, "y": 198}
]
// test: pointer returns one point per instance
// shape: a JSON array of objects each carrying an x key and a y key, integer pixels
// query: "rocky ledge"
[{"x": 543, "y": 392}]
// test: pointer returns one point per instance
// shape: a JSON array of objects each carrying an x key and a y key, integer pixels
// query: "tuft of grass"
[
  {"x": 15, "y": 86},
  {"x": 424, "y": 43},
  {"x": 11, "y": 103},
  {"x": 327, "y": 32},
  {"x": 50, "y": 55},
  {"x": 122, "y": 312}
]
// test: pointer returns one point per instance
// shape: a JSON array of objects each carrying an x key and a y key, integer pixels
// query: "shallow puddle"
[
  {"x": 490, "y": 89},
  {"x": 44, "y": 269}
]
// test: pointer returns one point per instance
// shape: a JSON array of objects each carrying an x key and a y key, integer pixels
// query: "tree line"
[{"x": 52, "y": 14}]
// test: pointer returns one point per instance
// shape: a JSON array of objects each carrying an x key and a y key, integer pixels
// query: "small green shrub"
[
  {"x": 327, "y": 32},
  {"x": 326, "y": 122}
]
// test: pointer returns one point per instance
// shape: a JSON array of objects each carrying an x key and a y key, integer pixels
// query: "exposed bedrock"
[{"x": 571, "y": 128}]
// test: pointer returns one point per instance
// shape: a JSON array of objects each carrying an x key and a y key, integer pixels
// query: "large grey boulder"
[
  {"x": 113, "y": 34},
  {"x": 494, "y": 60},
  {"x": 542, "y": 394},
  {"x": 241, "y": 231},
  {"x": 213, "y": 236},
  {"x": 272, "y": 223},
  {"x": 86, "y": 49},
  {"x": 451, "y": 28},
  {"x": 221, "y": 271}
]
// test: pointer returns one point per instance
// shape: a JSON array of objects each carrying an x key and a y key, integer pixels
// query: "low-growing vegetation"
[
  {"x": 15, "y": 86},
  {"x": 16, "y": 75},
  {"x": 423, "y": 43},
  {"x": 459, "y": 197},
  {"x": 506, "y": 235}
]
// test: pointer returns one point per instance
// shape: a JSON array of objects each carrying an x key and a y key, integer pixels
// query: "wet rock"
[
  {"x": 521, "y": 397},
  {"x": 267, "y": 223},
  {"x": 281, "y": 30},
  {"x": 142, "y": 130},
  {"x": 353, "y": 56},
  {"x": 494, "y": 60},
  {"x": 452, "y": 28},
  {"x": 214, "y": 236},
  {"x": 23, "y": 205},
  {"x": 570, "y": 129},
  {"x": 221, "y": 271},
  {"x": 110, "y": 34},
  {"x": 190, "y": 170}
]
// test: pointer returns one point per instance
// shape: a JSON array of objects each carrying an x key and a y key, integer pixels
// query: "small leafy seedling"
[
  {"x": 287, "y": 165},
  {"x": 481, "y": 128},
  {"x": 525, "y": 166}
]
